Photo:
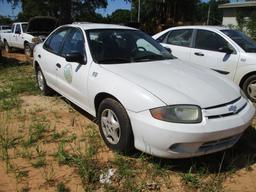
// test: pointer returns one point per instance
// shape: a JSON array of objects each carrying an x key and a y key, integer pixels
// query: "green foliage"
[
  {"x": 120, "y": 16},
  {"x": 251, "y": 25}
]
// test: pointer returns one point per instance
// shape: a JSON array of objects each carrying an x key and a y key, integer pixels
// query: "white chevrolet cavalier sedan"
[{"x": 141, "y": 96}]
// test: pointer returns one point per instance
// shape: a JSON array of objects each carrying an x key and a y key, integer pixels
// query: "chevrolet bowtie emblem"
[{"x": 232, "y": 109}]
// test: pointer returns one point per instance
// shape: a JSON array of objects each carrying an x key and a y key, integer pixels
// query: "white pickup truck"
[{"x": 25, "y": 35}]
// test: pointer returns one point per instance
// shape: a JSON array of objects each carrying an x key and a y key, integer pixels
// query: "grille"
[
  {"x": 219, "y": 144},
  {"x": 225, "y": 110}
]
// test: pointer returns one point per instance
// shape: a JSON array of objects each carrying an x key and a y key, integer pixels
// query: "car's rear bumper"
[{"x": 174, "y": 140}]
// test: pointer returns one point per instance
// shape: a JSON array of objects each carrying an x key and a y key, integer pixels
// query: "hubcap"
[
  {"x": 110, "y": 126},
  {"x": 251, "y": 89},
  {"x": 40, "y": 80}
]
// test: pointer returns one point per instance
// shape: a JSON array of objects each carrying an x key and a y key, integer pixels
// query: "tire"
[
  {"x": 27, "y": 50},
  {"x": 7, "y": 48},
  {"x": 115, "y": 126},
  {"x": 249, "y": 87},
  {"x": 42, "y": 83}
]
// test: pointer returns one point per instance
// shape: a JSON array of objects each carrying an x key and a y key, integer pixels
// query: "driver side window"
[
  {"x": 17, "y": 30},
  {"x": 74, "y": 43},
  {"x": 211, "y": 41}
]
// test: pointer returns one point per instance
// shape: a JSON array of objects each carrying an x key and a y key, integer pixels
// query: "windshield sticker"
[{"x": 68, "y": 73}]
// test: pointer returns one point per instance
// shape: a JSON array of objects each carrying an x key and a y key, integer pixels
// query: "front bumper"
[{"x": 175, "y": 140}]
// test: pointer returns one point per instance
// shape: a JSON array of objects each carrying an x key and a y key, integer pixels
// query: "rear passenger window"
[
  {"x": 181, "y": 37},
  {"x": 54, "y": 43},
  {"x": 162, "y": 37}
]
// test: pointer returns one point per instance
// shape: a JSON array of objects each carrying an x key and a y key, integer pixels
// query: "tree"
[
  {"x": 120, "y": 16},
  {"x": 65, "y": 10}
]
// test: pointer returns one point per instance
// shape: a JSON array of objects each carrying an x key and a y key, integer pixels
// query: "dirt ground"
[{"x": 22, "y": 170}]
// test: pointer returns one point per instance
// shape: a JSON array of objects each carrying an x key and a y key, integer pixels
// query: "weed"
[
  {"x": 62, "y": 188},
  {"x": 49, "y": 175},
  {"x": 36, "y": 131},
  {"x": 191, "y": 179},
  {"x": 21, "y": 174},
  {"x": 40, "y": 162}
]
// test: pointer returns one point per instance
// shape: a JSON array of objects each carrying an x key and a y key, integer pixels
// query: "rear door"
[
  {"x": 207, "y": 52},
  {"x": 180, "y": 42}
]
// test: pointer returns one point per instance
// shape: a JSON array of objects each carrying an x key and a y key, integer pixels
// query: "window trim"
[
  {"x": 195, "y": 37},
  {"x": 45, "y": 47},
  {"x": 171, "y": 31}
]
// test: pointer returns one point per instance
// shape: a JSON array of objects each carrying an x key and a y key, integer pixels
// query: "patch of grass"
[
  {"x": 62, "y": 188},
  {"x": 40, "y": 162},
  {"x": 193, "y": 180},
  {"x": 48, "y": 174},
  {"x": 36, "y": 132},
  {"x": 10, "y": 103},
  {"x": 21, "y": 174}
]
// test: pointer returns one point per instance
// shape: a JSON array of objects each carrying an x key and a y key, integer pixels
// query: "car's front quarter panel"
[
  {"x": 246, "y": 65},
  {"x": 131, "y": 96}
]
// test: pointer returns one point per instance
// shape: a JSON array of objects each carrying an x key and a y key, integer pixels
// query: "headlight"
[
  {"x": 178, "y": 113},
  {"x": 243, "y": 94}
]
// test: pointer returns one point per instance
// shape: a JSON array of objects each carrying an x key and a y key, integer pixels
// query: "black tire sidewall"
[
  {"x": 126, "y": 142},
  {"x": 246, "y": 84}
]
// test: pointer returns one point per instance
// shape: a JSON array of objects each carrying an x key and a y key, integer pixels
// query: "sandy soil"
[{"x": 62, "y": 117}]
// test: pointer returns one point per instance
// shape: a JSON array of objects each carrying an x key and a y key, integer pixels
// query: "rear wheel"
[
  {"x": 6, "y": 47},
  {"x": 115, "y": 127},
  {"x": 249, "y": 87},
  {"x": 42, "y": 83}
]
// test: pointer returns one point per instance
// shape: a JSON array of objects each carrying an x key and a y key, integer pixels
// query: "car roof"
[
  {"x": 88, "y": 26},
  {"x": 201, "y": 27}
]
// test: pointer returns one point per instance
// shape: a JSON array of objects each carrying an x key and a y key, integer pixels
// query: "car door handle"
[
  {"x": 39, "y": 56},
  {"x": 199, "y": 54},
  {"x": 58, "y": 65}
]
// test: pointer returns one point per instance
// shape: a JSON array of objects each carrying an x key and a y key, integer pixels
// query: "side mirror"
[
  {"x": 226, "y": 50},
  {"x": 168, "y": 49},
  {"x": 75, "y": 57}
]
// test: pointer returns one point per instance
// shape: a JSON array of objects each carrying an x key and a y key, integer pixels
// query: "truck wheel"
[
  {"x": 7, "y": 48},
  {"x": 249, "y": 87},
  {"x": 115, "y": 126},
  {"x": 27, "y": 50}
]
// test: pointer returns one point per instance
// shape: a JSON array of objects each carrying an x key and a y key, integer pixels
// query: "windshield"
[
  {"x": 24, "y": 27},
  {"x": 113, "y": 46},
  {"x": 246, "y": 43}
]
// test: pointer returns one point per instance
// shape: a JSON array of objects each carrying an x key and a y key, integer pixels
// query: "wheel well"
[
  {"x": 245, "y": 77},
  {"x": 100, "y": 97},
  {"x": 36, "y": 65},
  {"x": 25, "y": 42}
]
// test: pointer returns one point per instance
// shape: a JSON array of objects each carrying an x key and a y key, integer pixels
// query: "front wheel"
[
  {"x": 27, "y": 50},
  {"x": 115, "y": 127},
  {"x": 42, "y": 83},
  {"x": 249, "y": 87}
]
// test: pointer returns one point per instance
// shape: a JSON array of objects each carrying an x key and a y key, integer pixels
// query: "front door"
[
  {"x": 72, "y": 76},
  {"x": 208, "y": 52}
]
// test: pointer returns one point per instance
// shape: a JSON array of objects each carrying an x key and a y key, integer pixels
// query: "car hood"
[
  {"x": 41, "y": 25},
  {"x": 175, "y": 82}
]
